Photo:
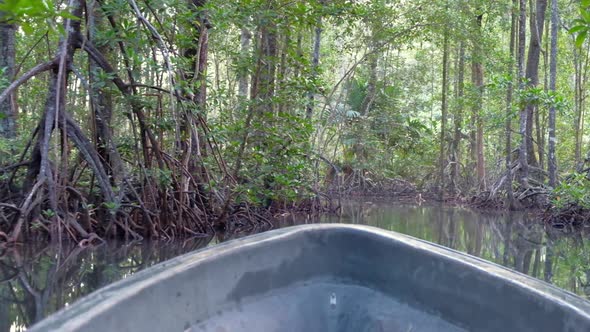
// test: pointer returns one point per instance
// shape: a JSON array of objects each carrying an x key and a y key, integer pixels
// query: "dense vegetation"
[{"x": 172, "y": 118}]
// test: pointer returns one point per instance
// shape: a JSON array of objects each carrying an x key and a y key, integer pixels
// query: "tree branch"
[{"x": 31, "y": 73}]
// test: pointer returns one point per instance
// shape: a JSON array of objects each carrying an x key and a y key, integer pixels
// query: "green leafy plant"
[
  {"x": 576, "y": 190},
  {"x": 112, "y": 207},
  {"x": 582, "y": 24},
  {"x": 48, "y": 213},
  {"x": 25, "y": 12}
]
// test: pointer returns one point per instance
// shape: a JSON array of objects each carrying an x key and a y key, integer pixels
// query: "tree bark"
[
  {"x": 101, "y": 105},
  {"x": 580, "y": 59},
  {"x": 509, "y": 97},
  {"x": 371, "y": 93},
  {"x": 263, "y": 83},
  {"x": 537, "y": 21},
  {"x": 194, "y": 142},
  {"x": 7, "y": 57},
  {"x": 315, "y": 63},
  {"x": 443, "y": 121},
  {"x": 522, "y": 154},
  {"x": 552, "y": 88},
  {"x": 367, "y": 103},
  {"x": 478, "y": 82},
  {"x": 245, "y": 41},
  {"x": 458, "y": 121},
  {"x": 577, "y": 59}
]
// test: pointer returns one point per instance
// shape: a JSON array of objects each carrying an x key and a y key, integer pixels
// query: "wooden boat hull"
[{"x": 325, "y": 278}]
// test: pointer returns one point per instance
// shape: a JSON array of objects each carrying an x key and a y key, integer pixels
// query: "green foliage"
[
  {"x": 48, "y": 213},
  {"x": 277, "y": 167},
  {"x": 574, "y": 191},
  {"x": 582, "y": 24},
  {"x": 8, "y": 149},
  {"x": 392, "y": 50},
  {"x": 26, "y": 12},
  {"x": 112, "y": 207},
  {"x": 4, "y": 81},
  {"x": 545, "y": 99}
]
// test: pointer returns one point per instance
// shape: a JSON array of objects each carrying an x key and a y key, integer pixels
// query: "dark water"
[{"x": 39, "y": 279}]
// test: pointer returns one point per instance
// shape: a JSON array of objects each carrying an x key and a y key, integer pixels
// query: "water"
[{"x": 38, "y": 280}]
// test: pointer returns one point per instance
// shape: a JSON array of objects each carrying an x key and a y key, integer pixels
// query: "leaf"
[
  {"x": 353, "y": 114},
  {"x": 581, "y": 38},
  {"x": 27, "y": 28},
  {"x": 577, "y": 28}
]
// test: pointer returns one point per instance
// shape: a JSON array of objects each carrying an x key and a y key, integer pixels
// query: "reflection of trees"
[
  {"x": 515, "y": 240},
  {"x": 4, "y": 314},
  {"x": 549, "y": 255},
  {"x": 568, "y": 261},
  {"x": 529, "y": 240},
  {"x": 36, "y": 281},
  {"x": 474, "y": 236},
  {"x": 505, "y": 232}
]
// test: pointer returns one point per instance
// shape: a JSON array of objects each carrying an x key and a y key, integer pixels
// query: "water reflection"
[
  {"x": 37, "y": 280},
  {"x": 515, "y": 240}
]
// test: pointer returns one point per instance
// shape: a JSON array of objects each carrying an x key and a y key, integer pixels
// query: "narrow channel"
[{"x": 39, "y": 279}]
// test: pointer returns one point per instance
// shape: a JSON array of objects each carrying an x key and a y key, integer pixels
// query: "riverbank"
[{"x": 568, "y": 217}]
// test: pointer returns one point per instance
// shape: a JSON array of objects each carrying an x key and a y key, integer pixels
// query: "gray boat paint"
[
  {"x": 324, "y": 306},
  {"x": 363, "y": 264}
]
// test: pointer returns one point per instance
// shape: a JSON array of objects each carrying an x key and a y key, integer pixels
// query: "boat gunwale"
[{"x": 100, "y": 301}]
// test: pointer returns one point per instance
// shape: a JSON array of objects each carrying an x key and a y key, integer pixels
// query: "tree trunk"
[
  {"x": 283, "y": 69},
  {"x": 552, "y": 87},
  {"x": 194, "y": 145},
  {"x": 522, "y": 154},
  {"x": 201, "y": 65},
  {"x": 7, "y": 56},
  {"x": 372, "y": 60},
  {"x": 245, "y": 41},
  {"x": 443, "y": 123},
  {"x": 101, "y": 105},
  {"x": 537, "y": 21},
  {"x": 509, "y": 97},
  {"x": 540, "y": 119},
  {"x": 263, "y": 82},
  {"x": 315, "y": 63},
  {"x": 267, "y": 85},
  {"x": 580, "y": 59},
  {"x": 478, "y": 82},
  {"x": 458, "y": 122},
  {"x": 577, "y": 59},
  {"x": 371, "y": 93}
]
